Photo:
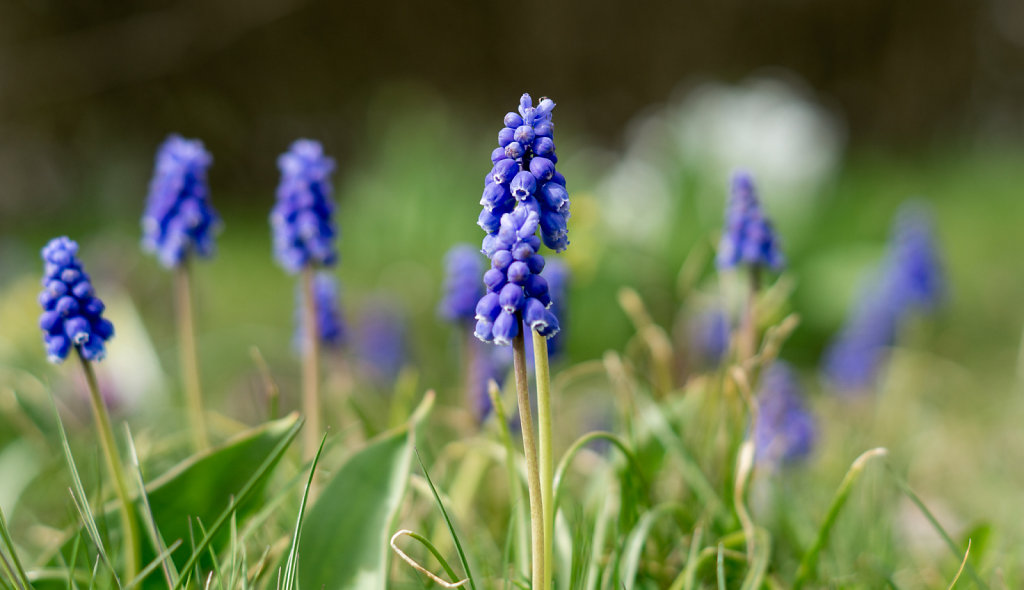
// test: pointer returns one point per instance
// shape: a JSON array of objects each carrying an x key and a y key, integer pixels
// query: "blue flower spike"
[
  {"x": 523, "y": 194},
  {"x": 72, "y": 315},
  {"x": 785, "y": 430},
  {"x": 749, "y": 238},
  {"x": 179, "y": 220},
  {"x": 303, "y": 216}
]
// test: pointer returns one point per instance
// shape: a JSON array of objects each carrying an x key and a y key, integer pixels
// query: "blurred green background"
[{"x": 842, "y": 110}]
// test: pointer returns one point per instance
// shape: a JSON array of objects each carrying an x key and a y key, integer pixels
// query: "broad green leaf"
[{"x": 344, "y": 541}]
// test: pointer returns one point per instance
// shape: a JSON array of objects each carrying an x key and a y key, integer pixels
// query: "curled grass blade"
[
  {"x": 152, "y": 530},
  {"x": 809, "y": 564},
  {"x": 420, "y": 568},
  {"x": 577, "y": 446}
]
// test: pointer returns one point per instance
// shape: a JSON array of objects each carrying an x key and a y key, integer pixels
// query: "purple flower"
[
  {"x": 910, "y": 278},
  {"x": 72, "y": 314},
  {"x": 329, "y": 323},
  {"x": 524, "y": 170},
  {"x": 381, "y": 341},
  {"x": 748, "y": 238},
  {"x": 785, "y": 429},
  {"x": 179, "y": 219},
  {"x": 523, "y": 193},
  {"x": 709, "y": 336},
  {"x": 515, "y": 289},
  {"x": 462, "y": 289},
  {"x": 303, "y": 217}
]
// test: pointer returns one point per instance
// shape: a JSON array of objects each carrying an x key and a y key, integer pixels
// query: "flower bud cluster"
[
  {"x": 524, "y": 172},
  {"x": 522, "y": 193},
  {"x": 303, "y": 217},
  {"x": 72, "y": 314},
  {"x": 514, "y": 286},
  {"x": 179, "y": 218},
  {"x": 748, "y": 238},
  {"x": 330, "y": 327}
]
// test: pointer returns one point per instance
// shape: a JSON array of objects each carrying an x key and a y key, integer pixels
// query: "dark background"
[{"x": 87, "y": 83}]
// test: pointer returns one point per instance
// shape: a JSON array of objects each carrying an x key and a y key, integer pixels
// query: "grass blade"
[
  {"x": 291, "y": 565},
  {"x": 448, "y": 521},
  {"x": 905, "y": 488},
  {"x": 809, "y": 563},
  {"x": 433, "y": 551},
  {"x": 242, "y": 496}
]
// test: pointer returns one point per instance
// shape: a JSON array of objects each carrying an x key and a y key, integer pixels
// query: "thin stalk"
[
  {"x": 748, "y": 326},
  {"x": 310, "y": 367},
  {"x": 542, "y": 373},
  {"x": 129, "y": 525},
  {"x": 189, "y": 358},
  {"x": 532, "y": 469}
]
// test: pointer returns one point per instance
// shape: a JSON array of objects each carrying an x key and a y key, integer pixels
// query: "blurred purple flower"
[
  {"x": 488, "y": 364},
  {"x": 558, "y": 277},
  {"x": 72, "y": 314},
  {"x": 910, "y": 279},
  {"x": 785, "y": 430},
  {"x": 303, "y": 217},
  {"x": 329, "y": 322},
  {"x": 381, "y": 341},
  {"x": 709, "y": 336},
  {"x": 748, "y": 238},
  {"x": 179, "y": 219},
  {"x": 462, "y": 288}
]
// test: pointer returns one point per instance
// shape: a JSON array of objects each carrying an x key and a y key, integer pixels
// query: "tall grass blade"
[
  {"x": 809, "y": 564},
  {"x": 291, "y": 565},
  {"x": 448, "y": 521}
]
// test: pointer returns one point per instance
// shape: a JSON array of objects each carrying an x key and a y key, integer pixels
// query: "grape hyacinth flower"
[
  {"x": 302, "y": 218},
  {"x": 302, "y": 221},
  {"x": 910, "y": 279},
  {"x": 179, "y": 222},
  {"x": 179, "y": 219},
  {"x": 462, "y": 289},
  {"x": 330, "y": 327},
  {"x": 749, "y": 238},
  {"x": 515, "y": 289},
  {"x": 749, "y": 242},
  {"x": 524, "y": 173},
  {"x": 72, "y": 319},
  {"x": 72, "y": 315},
  {"x": 785, "y": 429},
  {"x": 524, "y": 193}
]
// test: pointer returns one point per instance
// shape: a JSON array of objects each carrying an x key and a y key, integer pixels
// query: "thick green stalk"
[
  {"x": 310, "y": 367},
  {"x": 189, "y": 358},
  {"x": 546, "y": 457},
  {"x": 532, "y": 468},
  {"x": 129, "y": 524}
]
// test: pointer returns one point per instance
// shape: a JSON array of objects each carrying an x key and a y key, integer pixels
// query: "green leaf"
[
  {"x": 345, "y": 535},
  {"x": 203, "y": 485}
]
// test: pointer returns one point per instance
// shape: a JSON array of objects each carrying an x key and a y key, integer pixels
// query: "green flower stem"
[
  {"x": 310, "y": 368},
  {"x": 546, "y": 455},
  {"x": 748, "y": 327},
  {"x": 532, "y": 469},
  {"x": 189, "y": 358},
  {"x": 128, "y": 522}
]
